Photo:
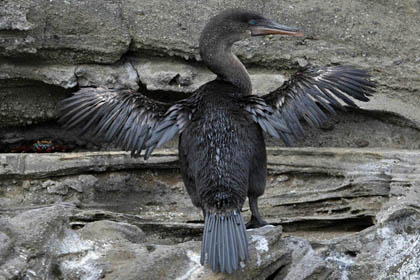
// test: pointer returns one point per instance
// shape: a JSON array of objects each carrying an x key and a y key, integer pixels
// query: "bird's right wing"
[
  {"x": 304, "y": 96},
  {"x": 130, "y": 119}
]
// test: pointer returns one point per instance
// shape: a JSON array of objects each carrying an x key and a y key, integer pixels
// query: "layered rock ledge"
[
  {"x": 50, "y": 48},
  {"x": 338, "y": 213},
  {"x": 335, "y": 213}
]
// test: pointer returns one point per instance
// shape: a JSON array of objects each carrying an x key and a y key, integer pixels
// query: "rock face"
[
  {"x": 154, "y": 46},
  {"x": 338, "y": 213}
]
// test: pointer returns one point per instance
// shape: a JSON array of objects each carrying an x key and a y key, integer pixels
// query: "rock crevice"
[
  {"x": 349, "y": 212},
  {"x": 338, "y": 213}
]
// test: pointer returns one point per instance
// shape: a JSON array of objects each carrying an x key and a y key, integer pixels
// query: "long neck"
[{"x": 216, "y": 52}]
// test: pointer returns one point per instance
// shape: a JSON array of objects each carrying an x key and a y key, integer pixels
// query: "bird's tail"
[{"x": 225, "y": 242}]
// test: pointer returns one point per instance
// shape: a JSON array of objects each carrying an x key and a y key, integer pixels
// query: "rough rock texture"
[
  {"x": 153, "y": 46},
  {"x": 339, "y": 214},
  {"x": 63, "y": 31}
]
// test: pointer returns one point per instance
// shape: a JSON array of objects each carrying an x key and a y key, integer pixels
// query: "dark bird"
[{"x": 221, "y": 146}]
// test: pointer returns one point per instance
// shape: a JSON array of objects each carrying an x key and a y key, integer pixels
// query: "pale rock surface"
[{"x": 340, "y": 213}]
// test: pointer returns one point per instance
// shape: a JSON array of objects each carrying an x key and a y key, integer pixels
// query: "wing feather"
[
  {"x": 304, "y": 96},
  {"x": 130, "y": 119}
]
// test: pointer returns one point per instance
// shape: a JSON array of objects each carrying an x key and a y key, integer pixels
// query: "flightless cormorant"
[{"x": 221, "y": 145}]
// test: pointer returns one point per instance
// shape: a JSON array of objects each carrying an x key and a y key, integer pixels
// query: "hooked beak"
[{"x": 269, "y": 27}]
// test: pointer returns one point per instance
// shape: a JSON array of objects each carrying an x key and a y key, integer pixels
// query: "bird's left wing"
[
  {"x": 306, "y": 96},
  {"x": 130, "y": 119}
]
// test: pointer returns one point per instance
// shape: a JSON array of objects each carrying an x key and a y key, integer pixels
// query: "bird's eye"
[{"x": 252, "y": 21}]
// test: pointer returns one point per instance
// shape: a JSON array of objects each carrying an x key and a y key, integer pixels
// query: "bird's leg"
[
  {"x": 256, "y": 220},
  {"x": 204, "y": 213}
]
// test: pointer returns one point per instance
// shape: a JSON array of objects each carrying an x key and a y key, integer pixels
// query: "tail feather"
[
  {"x": 225, "y": 242},
  {"x": 233, "y": 242}
]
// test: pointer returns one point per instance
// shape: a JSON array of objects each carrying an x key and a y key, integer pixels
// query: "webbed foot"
[{"x": 255, "y": 222}]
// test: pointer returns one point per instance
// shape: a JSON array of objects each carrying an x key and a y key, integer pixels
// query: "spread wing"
[
  {"x": 308, "y": 95},
  {"x": 130, "y": 119}
]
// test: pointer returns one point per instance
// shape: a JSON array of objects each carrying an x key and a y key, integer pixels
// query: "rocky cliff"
[{"x": 350, "y": 212}]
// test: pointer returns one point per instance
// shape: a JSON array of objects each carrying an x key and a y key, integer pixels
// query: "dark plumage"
[{"x": 221, "y": 147}]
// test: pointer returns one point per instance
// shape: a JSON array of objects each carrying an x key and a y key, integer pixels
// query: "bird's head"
[
  {"x": 237, "y": 24},
  {"x": 228, "y": 27}
]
